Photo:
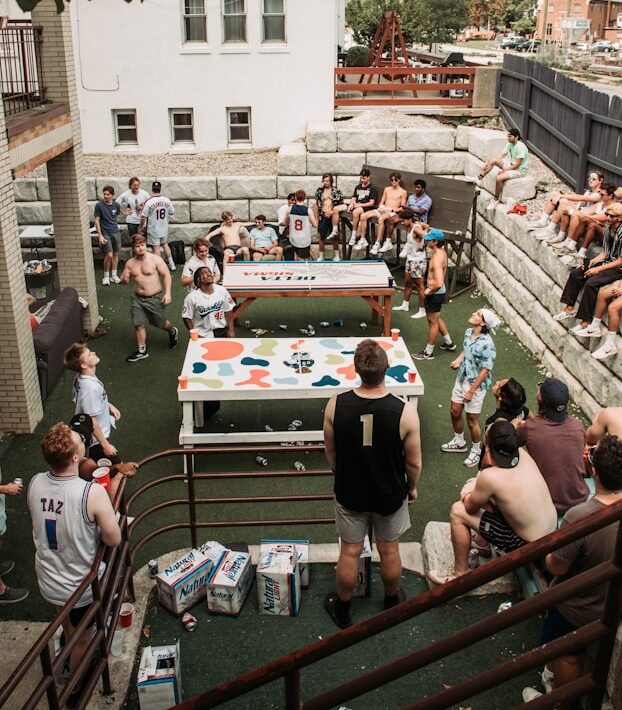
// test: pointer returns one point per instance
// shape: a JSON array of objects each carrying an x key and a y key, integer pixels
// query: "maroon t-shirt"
[{"x": 557, "y": 449}]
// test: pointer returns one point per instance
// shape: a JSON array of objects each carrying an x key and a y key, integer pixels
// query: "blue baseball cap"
[{"x": 434, "y": 235}]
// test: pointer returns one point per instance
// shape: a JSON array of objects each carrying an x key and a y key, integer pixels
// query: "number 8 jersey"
[{"x": 299, "y": 226}]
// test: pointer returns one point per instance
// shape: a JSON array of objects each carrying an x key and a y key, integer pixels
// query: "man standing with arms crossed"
[
  {"x": 148, "y": 301},
  {"x": 69, "y": 518},
  {"x": 373, "y": 447},
  {"x": 154, "y": 218}
]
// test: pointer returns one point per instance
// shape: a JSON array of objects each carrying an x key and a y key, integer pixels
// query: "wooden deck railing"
[{"x": 404, "y": 86}]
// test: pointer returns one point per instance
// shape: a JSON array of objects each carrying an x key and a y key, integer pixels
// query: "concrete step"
[{"x": 438, "y": 554}]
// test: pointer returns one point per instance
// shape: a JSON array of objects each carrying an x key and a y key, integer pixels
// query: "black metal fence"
[
  {"x": 571, "y": 127},
  {"x": 20, "y": 68}
]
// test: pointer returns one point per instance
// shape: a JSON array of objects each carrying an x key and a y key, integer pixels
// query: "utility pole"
[{"x": 545, "y": 17}]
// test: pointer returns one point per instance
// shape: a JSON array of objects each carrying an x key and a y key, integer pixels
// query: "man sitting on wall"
[
  {"x": 513, "y": 162},
  {"x": 233, "y": 233}
]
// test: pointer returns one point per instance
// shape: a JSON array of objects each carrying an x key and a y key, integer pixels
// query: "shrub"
[{"x": 357, "y": 56}]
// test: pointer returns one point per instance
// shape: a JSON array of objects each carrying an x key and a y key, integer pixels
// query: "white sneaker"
[
  {"x": 545, "y": 233},
  {"x": 115, "y": 279},
  {"x": 530, "y": 694},
  {"x": 587, "y": 332},
  {"x": 454, "y": 446},
  {"x": 604, "y": 351},
  {"x": 387, "y": 246},
  {"x": 353, "y": 239},
  {"x": 419, "y": 314},
  {"x": 320, "y": 256},
  {"x": 538, "y": 224},
  {"x": 578, "y": 330},
  {"x": 374, "y": 249},
  {"x": 403, "y": 307},
  {"x": 472, "y": 459},
  {"x": 490, "y": 207},
  {"x": 360, "y": 245},
  {"x": 106, "y": 280},
  {"x": 336, "y": 256},
  {"x": 563, "y": 315},
  {"x": 555, "y": 239},
  {"x": 572, "y": 260},
  {"x": 171, "y": 266}
]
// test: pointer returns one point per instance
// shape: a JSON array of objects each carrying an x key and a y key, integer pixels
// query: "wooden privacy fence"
[
  {"x": 573, "y": 128},
  {"x": 404, "y": 86}
]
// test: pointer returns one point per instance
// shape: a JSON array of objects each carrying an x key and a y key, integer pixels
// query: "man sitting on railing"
[
  {"x": 579, "y": 556},
  {"x": 70, "y": 517},
  {"x": 507, "y": 505}
]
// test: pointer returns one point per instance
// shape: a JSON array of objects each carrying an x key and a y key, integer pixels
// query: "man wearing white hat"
[{"x": 474, "y": 365}]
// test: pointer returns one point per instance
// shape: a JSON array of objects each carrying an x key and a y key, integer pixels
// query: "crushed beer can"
[
  {"x": 283, "y": 326},
  {"x": 504, "y": 606},
  {"x": 303, "y": 331},
  {"x": 473, "y": 558},
  {"x": 299, "y": 466},
  {"x": 324, "y": 324},
  {"x": 247, "y": 324},
  {"x": 153, "y": 568},
  {"x": 189, "y": 621},
  {"x": 363, "y": 325},
  {"x": 261, "y": 460},
  {"x": 338, "y": 323},
  {"x": 297, "y": 422}
]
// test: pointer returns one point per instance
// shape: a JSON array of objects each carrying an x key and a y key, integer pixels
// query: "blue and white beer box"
[
  {"x": 158, "y": 681},
  {"x": 183, "y": 583},
  {"x": 302, "y": 548},
  {"x": 230, "y": 583},
  {"x": 278, "y": 582}
]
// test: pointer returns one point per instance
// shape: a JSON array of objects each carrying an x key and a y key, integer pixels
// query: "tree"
[
  {"x": 363, "y": 17},
  {"x": 436, "y": 21},
  {"x": 485, "y": 12}
]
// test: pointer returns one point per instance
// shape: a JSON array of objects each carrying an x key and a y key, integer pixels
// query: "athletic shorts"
[
  {"x": 324, "y": 226},
  {"x": 494, "y": 528},
  {"x": 95, "y": 452},
  {"x": 302, "y": 252},
  {"x": 353, "y": 526},
  {"x": 477, "y": 401},
  {"x": 132, "y": 229},
  {"x": 112, "y": 244},
  {"x": 148, "y": 309},
  {"x": 416, "y": 269},
  {"x": 556, "y": 626},
  {"x": 235, "y": 248},
  {"x": 2, "y": 514},
  {"x": 434, "y": 302},
  {"x": 77, "y": 614},
  {"x": 156, "y": 241}
]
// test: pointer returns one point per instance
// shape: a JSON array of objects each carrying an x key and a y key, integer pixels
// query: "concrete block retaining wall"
[{"x": 520, "y": 276}]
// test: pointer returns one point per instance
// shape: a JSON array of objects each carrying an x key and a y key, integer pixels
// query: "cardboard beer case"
[
  {"x": 184, "y": 582},
  {"x": 159, "y": 681},
  {"x": 278, "y": 582},
  {"x": 302, "y": 548},
  {"x": 363, "y": 584},
  {"x": 230, "y": 583}
]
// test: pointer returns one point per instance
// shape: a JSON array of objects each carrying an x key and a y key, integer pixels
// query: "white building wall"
[{"x": 131, "y": 56}]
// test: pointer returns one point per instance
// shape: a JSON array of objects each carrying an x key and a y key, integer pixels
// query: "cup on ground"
[{"x": 126, "y": 614}]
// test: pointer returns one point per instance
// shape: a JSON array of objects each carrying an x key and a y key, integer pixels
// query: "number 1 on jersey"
[{"x": 368, "y": 428}]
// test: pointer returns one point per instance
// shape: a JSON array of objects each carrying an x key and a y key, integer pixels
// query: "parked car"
[
  {"x": 530, "y": 45},
  {"x": 583, "y": 46},
  {"x": 509, "y": 42},
  {"x": 520, "y": 43},
  {"x": 603, "y": 45}
]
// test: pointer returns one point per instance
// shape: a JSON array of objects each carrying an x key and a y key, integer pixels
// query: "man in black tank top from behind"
[{"x": 373, "y": 447}]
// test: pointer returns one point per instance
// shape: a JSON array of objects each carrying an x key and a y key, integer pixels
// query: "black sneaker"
[
  {"x": 450, "y": 347},
  {"x": 173, "y": 339},
  {"x": 138, "y": 355},
  {"x": 423, "y": 355},
  {"x": 6, "y": 567},
  {"x": 13, "y": 595}
]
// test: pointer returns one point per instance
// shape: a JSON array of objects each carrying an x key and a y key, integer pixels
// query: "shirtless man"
[
  {"x": 607, "y": 421},
  {"x": 435, "y": 296},
  {"x": 507, "y": 505},
  {"x": 233, "y": 233},
  {"x": 393, "y": 200},
  {"x": 148, "y": 301},
  {"x": 327, "y": 199}
]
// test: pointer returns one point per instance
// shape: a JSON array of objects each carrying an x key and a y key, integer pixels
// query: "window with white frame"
[
  {"x": 239, "y": 125},
  {"x": 273, "y": 20},
  {"x": 124, "y": 121},
  {"x": 195, "y": 21},
  {"x": 182, "y": 125},
  {"x": 234, "y": 20}
]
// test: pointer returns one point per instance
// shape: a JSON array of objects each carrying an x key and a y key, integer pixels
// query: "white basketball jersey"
[
  {"x": 65, "y": 539},
  {"x": 299, "y": 226}
]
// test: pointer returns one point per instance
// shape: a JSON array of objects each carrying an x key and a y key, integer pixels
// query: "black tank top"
[{"x": 370, "y": 473}]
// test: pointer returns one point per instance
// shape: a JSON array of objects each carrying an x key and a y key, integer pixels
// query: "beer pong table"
[
  {"x": 370, "y": 280},
  {"x": 259, "y": 369}
]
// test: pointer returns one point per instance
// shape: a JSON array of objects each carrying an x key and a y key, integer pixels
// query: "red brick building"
[{"x": 604, "y": 19}]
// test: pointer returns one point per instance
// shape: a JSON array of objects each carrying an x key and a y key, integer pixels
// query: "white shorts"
[
  {"x": 477, "y": 401},
  {"x": 511, "y": 173}
]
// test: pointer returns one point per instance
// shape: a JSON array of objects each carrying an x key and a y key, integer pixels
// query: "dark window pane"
[
  {"x": 183, "y": 134},
  {"x": 182, "y": 119},
  {"x": 239, "y": 133},
  {"x": 126, "y": 119},
  {"x": 195, "y": 28},
  {"x": 273, "y": 6},
  {"x": 235, "y": 29},
  {"x": 238, "y": 117},
  {"x": 194, "y": 7},
  {"x": 127, "y": 135},
  {"x": 274, "y": 29}
]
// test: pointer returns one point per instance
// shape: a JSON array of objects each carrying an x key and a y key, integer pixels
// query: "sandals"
[
  {"x": 330, "y": 604},
  {"x": 563, "y": 315}
]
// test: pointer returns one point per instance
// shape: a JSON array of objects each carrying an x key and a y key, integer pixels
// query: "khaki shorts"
[
  {"x": 477, "y": 401},
  {"x": 352, "y": 526},
  {"x": 148, "y": 309}
]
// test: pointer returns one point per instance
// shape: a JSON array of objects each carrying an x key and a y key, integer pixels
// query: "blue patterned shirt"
[{"x": 479, "y": 353}]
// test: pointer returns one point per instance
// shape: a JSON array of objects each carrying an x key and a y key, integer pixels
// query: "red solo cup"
[
  {"x": 126, "y": 614},
  {"x": 395, "y": 333},
  {"x": 183, "y": 382},
  {"x": 231, "y": 258},
  {"x": 194, "y": 334},
  {"x": 104, "y": 463},
  {"x": 412, "y": 376},
  {"x": 102, "y": 476}
]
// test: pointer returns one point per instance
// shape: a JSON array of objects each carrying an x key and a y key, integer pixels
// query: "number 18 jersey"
[
  {"x": 370, "y": 472},
  {"x": 157, "y": 210}
]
